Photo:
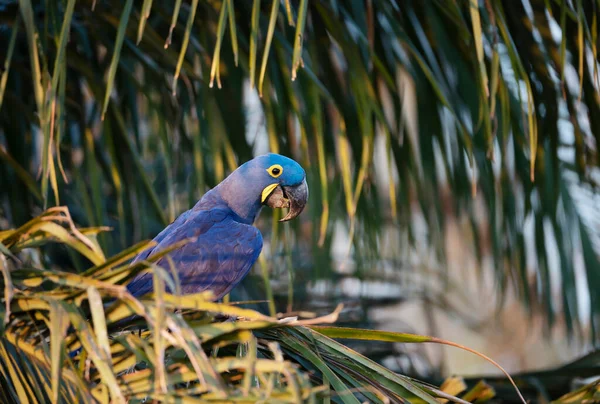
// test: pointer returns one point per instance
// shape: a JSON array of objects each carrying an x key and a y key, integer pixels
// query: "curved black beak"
[{"x": 294, "y": 198}]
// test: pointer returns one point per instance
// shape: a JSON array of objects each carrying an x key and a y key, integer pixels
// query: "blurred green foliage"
[{"x": 488, "y": 111}]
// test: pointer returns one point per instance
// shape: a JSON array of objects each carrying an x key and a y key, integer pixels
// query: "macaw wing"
[
  {"x": 219, "y": 258},
  {"x": 181, "y": 219}
]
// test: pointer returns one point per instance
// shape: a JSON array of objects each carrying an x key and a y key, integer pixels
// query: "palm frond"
[
  {"x": 488, "y": 110},
  {"x": 69, "y": 337}
]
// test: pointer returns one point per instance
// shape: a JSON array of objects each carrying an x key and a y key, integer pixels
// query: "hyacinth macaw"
[{"x": 226, "y": 242}]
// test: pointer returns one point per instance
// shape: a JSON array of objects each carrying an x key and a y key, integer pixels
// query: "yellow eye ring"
[{"x": 275, "y": 170}]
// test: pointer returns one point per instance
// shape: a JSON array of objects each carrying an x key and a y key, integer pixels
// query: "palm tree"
[{"x": 409, "y": 115}]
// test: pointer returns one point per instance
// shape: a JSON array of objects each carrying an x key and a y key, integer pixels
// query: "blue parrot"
[{"x": 226, "y": 242}]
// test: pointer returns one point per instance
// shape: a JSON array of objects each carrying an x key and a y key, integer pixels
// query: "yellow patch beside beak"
[{"x": 267, "y": 191}]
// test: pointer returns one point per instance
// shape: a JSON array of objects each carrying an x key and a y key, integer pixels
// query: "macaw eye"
[{"x": 275, "y": 170}]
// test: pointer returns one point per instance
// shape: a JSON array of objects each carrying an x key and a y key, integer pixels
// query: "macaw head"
[{"x": 268, "y": 180}]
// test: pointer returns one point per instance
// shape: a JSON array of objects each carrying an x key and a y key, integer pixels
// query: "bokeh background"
[{"x": 451, "y": 149}]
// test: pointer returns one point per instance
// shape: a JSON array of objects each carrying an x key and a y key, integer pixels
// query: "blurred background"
[{"x": 451, "y": 149}]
